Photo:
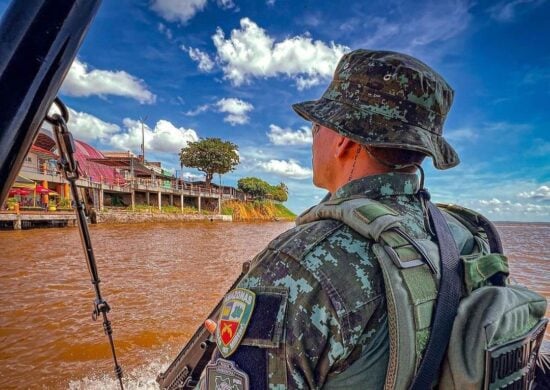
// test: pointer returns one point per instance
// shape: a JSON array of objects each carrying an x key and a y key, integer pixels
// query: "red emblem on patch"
[{"x": 228, "y": 330}]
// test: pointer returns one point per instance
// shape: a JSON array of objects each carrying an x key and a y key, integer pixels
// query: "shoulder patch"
[
  {"x": 225, "y": 375},
  {"x": 235, "y": 314}
]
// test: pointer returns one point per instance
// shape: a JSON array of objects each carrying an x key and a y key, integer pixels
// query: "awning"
[{"x": 45, "y": 191}]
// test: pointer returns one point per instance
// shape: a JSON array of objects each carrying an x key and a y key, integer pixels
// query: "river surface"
[{"x": 161, "y": 281}]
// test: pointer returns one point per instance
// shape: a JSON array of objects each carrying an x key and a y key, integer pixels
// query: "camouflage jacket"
[{"x": 320, "y": 313}]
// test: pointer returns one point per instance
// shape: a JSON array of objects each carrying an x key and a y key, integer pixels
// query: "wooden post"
[
  {"x": 181, "y": 201},
  {"x": 101, "y": 197},
  {"x": 160, "y": 200},
  {"x": 199, "y": 202},
  {"x": 17, "y": 223}
]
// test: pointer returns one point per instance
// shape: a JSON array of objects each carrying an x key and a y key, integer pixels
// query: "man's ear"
[{"x": 344, "y": 146}]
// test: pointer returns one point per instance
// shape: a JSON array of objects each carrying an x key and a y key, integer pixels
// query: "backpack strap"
[
  {"x": 410, "y": 268},
  {"x": 448, "y": 299}
]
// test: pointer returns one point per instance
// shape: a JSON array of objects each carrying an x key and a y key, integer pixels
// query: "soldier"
[{"x": 311, "y": 312}]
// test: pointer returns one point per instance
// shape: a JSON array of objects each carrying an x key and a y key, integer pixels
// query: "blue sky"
[{"x": 232, "y": 68}]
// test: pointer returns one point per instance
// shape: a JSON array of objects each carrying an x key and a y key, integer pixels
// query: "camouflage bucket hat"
[{"x": 386, "y": 99}]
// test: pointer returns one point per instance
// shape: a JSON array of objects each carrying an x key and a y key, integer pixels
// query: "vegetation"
[
  {"x": 257, "y": 211},
  {"x": 260, "y": 189},
  {"x": 211, "y": 156}
]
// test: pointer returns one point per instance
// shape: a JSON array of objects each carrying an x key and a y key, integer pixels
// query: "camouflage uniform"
[
  {"x": 332, "y": 311},
  {"x": 320, "y": 316}
]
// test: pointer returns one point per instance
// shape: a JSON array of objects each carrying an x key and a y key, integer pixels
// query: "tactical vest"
[{"x": 499, "y": 326}]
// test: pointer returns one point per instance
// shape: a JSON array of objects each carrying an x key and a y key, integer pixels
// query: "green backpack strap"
[{"x": 410, "y": 268}]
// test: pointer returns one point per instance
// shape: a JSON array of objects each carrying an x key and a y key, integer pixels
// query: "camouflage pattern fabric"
[
  {"x": 386, "y": 99},
  {"x": 334, "y": 311}
]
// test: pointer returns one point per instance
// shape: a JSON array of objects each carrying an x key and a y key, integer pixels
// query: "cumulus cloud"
[
  {"x": 540, "y": 194},
  {"x": 203, "y": 59},
  {"x": 81, "y": 81},
  {"x": 250, "y": 52},
  {"x": 291, "y": 169},
  {"x": 177, "y": 10},
  {"x": 286, "y": 136},
  {"x": 506, "y": 11},
  {"x": 236, "y": 109},
  {"x": 87, "y": 127},
  {"x": 165, "y": 137}
]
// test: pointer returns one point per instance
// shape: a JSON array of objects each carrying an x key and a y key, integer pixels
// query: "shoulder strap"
[
  {"x": 410, "y": 268},
  {"x": 446, "y": 307}
]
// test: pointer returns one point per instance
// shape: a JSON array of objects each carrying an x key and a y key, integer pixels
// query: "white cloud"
[
  {"x": 165, "y": 137},
  {"x": 165, "y": 31},
  {"x": 237, "y": 109},
  {"x": 226, "y": 4},
  {"x": 506, "y": 11},
  {"x": 291, "y": 169},
  {"x": 250, "y": 52},
  {"x": 198, "y": 110},
  {"x": 462, "y": 134},
  {"x": 286, "y": 136},
  {"x": 87, "y": 127},
  {"x": 270, "y": 2},
  {"x": 81, "y": 81},
  {"x": 507, "y": 210},
  {"x": 190, "y": 176},
  {"x": 205, "y": 62},
  {"x": 177, "y": 10},
  {"x": 542, "y": 193}
]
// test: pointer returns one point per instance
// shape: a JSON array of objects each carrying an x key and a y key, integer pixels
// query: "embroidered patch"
[
  {"x": 235, "y": 314},
  {"x": 225, "y": 375}
]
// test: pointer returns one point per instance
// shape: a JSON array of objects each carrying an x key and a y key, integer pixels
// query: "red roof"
[
  {"x": 97, "y": 172},
  {"x": 42, "y": 151}
]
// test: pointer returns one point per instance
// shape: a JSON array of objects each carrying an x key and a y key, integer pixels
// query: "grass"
[{"x": 257, "y": 211}]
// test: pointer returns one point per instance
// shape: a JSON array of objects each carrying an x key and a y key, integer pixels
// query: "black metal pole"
[{"x": 38, "y": 42}]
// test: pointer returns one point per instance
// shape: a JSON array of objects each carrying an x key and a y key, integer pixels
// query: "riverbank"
[
  {"x": 257, "y": 211},
  {"x": 231, "y": 211}
]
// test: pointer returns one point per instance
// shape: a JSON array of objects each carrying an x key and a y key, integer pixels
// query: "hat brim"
[{"x": 364, "y": 126}]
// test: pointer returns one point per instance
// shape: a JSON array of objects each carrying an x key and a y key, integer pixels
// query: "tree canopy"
[
  {"x": 261, "y": 189},
  {"x": 211, "y": 156}
]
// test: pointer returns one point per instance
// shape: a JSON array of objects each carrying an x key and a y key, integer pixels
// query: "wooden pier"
[{"x": 37, "y": 218}]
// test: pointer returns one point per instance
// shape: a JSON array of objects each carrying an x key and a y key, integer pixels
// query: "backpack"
[{"x": 499, "y": 326}]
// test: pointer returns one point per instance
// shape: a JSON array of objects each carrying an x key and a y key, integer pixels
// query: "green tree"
[
  {"x": 254, "y": 187},
  {"x": 279, "y": 192},
  {"x": 261, "y": 189},
  {"x": 211, "y": 156}
]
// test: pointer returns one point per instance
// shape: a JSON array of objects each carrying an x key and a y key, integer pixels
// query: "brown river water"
[{"x": 161, "y": 281}]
